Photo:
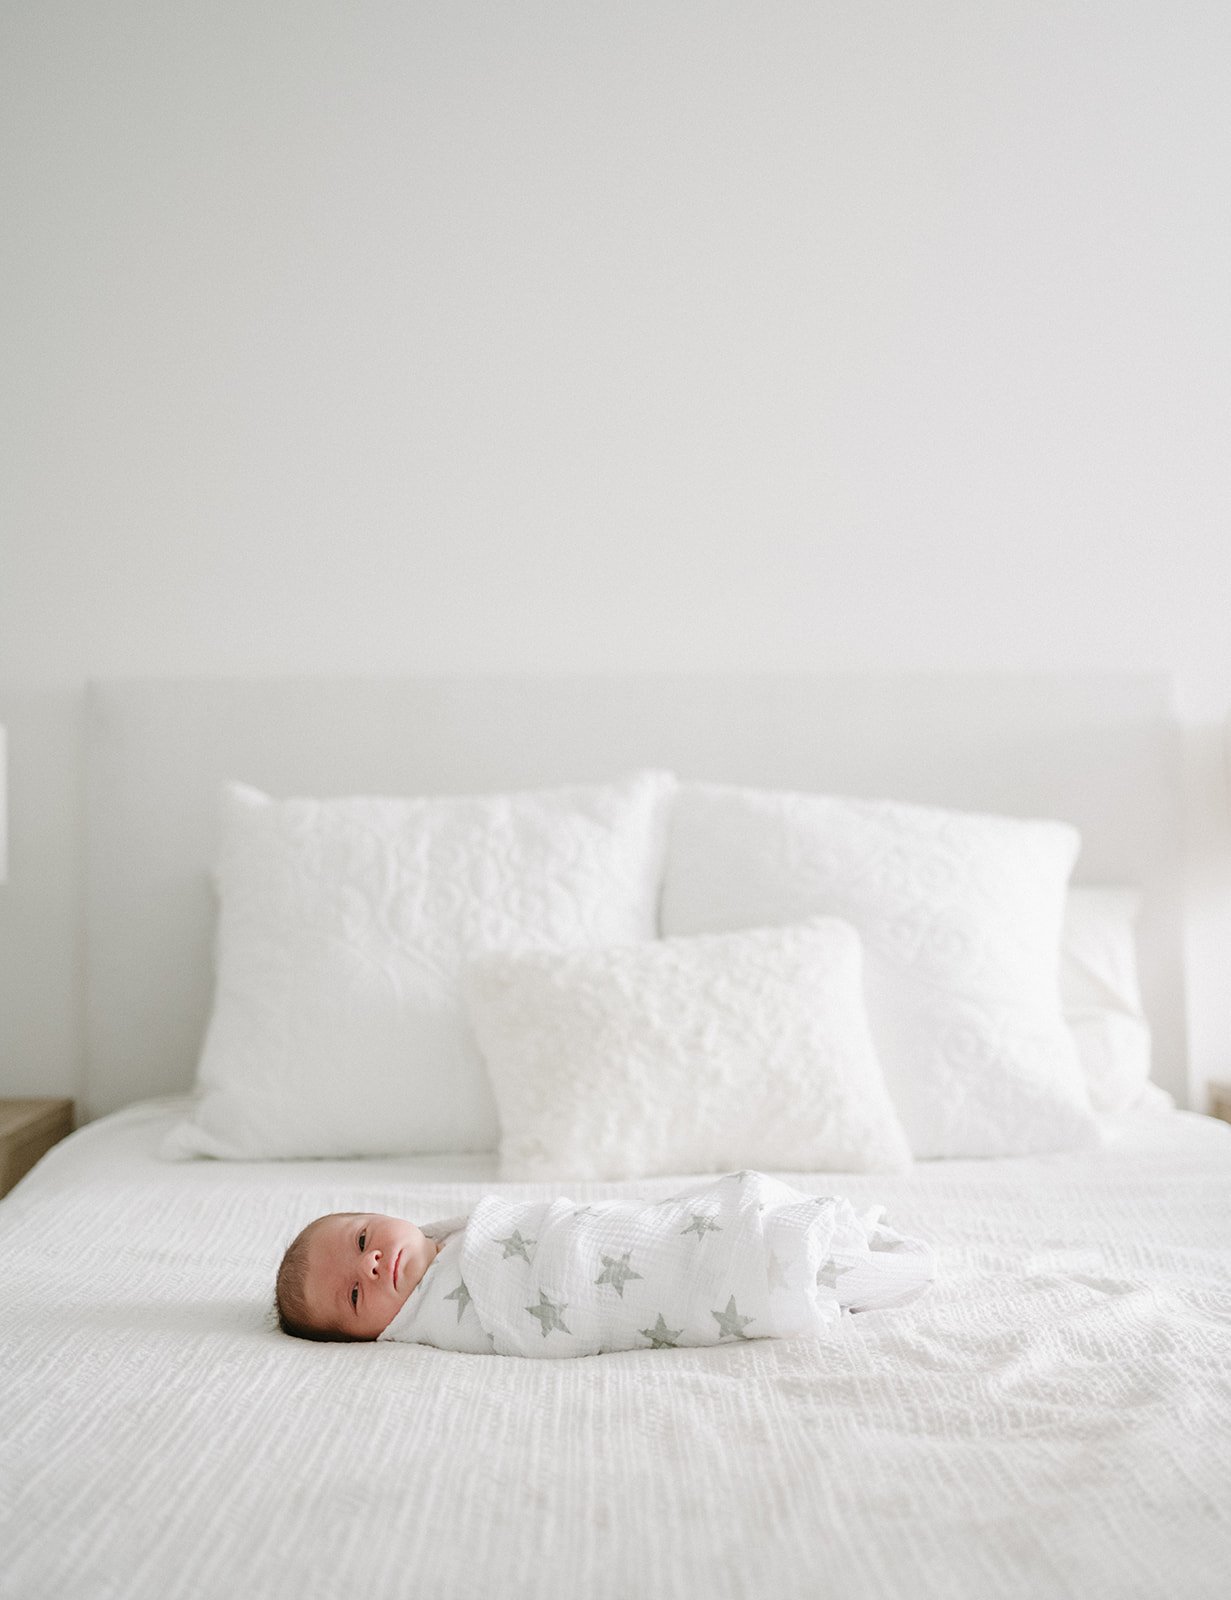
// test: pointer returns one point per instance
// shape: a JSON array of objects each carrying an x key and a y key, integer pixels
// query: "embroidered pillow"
[
  {"x": 960, "y": 917},
  {"x": 747, "y": 1049},
  {"x": 338, "y": 1026}
]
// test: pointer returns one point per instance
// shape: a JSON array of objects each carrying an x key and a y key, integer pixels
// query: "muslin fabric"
[{"x": 744, "y": 1257}]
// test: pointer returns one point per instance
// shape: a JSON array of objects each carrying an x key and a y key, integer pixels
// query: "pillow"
[
  {"x": 338, "y": 1026},
  {"x": 1101, "y": 996},
  {"x": 686, "y": 1055},
  {"x": 960, "y": 918}
]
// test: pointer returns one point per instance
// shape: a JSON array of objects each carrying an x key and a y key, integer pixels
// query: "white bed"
[{"x": 1052, "y": 1419}]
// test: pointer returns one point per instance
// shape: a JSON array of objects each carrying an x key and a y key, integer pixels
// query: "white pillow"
[
  {"x": 338, "y": 1026},
  {"x": 1101, "y": 995},
  {"x": 686, "y": 1055},
  {"x": 960, "y": 918}
]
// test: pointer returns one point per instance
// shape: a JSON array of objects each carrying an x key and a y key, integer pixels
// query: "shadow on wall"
[{"x": 42, "y": 959}]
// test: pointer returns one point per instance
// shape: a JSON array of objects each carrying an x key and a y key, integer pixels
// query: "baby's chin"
[{"x": 422, "y": 1252}]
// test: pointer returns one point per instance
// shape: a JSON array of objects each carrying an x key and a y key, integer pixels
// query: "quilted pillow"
[
  {"x": 960, "y": 918},
  {"x": 688, "y": 1055},
  {"x": 338, "y": 1026},
  {"x": 1101, "y": 996}
]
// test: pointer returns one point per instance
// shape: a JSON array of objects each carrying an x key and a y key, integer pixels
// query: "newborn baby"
[
  {"x": 347, "y": 1275},
  {"x": 742, "y": 1257}
]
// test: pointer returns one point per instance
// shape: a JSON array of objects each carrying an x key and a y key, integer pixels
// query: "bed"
[{"x": 1052, "y": 1418}]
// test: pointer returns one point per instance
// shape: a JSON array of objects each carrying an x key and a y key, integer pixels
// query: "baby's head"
[{"x": 347, "y": 1275}]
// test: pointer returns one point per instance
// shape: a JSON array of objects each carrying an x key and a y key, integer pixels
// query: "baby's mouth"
[{"x": 397, "y": 1262}]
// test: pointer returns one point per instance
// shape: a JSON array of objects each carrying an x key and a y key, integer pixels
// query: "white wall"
[{"x": 393, "y": 336}]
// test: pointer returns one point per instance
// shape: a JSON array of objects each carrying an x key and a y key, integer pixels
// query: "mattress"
[{"x": 1053, "y": 1418}]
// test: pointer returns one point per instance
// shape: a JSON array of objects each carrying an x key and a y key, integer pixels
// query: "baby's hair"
[{"x": 290, "y": 1291}]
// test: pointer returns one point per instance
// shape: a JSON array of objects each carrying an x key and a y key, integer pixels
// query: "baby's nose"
[{"x": 372, "y": 1262}]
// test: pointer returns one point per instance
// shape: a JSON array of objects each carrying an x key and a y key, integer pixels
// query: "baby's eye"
[
  {"x": 354, "y": 1298},
  {"x": 362, "y": 1237}
]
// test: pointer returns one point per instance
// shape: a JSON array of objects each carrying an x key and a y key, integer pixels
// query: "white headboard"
[{"x": 1099, "y": 751}]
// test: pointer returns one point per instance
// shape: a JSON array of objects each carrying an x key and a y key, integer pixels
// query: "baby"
[
  {"x": 348, "y": 1274},
  {"x": 742, "y": 1257}
]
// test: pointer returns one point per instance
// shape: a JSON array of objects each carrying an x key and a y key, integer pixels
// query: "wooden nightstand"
[
  {"x": 1220, "y": 1100},
  {"x": 28, "y": 1129}
]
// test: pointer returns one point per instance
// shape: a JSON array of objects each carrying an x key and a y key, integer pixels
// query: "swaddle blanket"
[{"x": 743, "y": 1257}]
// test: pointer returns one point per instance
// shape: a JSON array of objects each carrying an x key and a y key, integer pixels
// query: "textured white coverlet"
[{"x": 1052, "y": 1419}]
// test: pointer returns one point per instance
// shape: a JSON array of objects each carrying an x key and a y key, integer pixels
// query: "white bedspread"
[{"x": 1052, "y": 1419}]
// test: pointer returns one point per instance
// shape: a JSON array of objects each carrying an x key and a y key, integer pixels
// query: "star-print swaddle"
[{"x": 743, "y": 1257}]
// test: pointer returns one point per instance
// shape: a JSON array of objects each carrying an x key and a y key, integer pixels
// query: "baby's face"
[{"x": 361, "y": 1270}]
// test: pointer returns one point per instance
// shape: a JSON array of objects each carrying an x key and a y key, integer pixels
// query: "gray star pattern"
[
  {"x": 550, "y": 1314},
  {"x": 616, "y": 1271},
  {"x": 700, "y": 1225},
  {"x": 775, "y": 1277},
  {"x": 730, "y": 1321},
  {"x": 661, "y": 1337},
  {"x": 462, "y": 1295},
  {"x": 515, "y": 1245}
]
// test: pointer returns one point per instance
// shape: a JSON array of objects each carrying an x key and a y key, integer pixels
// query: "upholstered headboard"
[{"x": 1099, "y": 751}]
